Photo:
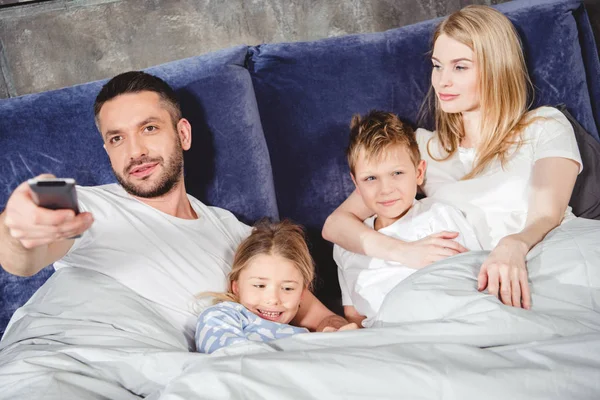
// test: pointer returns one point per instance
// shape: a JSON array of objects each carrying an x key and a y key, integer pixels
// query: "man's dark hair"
[{"x": 135, "y": 82}]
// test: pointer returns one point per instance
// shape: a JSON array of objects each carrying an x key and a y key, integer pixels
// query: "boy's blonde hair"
[
  {"x": 284, "y": 239},
  {"x": 375, "y": 133},
  {"x": 504, "y": 85}
]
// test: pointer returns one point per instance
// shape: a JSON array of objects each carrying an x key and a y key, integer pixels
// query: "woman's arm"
[
  {"x": 344, "y": 227},
  {"x": 504, "y": 272}
]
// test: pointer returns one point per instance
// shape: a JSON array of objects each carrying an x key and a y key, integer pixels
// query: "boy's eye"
[
  {"x": 396, "y": 173},
  {"x": 259, "y": 286},
  {"x": 370, "y": 178}
]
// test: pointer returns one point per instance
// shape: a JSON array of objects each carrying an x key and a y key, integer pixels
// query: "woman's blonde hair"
[
  {"x": 504, "y": 85},
  {"x": 284, "y": 239}
]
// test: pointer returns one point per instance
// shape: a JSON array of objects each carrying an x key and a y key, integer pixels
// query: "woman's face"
[{"x": 454, "y": 76}]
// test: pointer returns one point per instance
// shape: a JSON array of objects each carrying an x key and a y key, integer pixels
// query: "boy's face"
[{"x": 388, "y": 185}]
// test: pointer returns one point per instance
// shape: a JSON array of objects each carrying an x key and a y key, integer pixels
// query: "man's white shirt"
[{"x": 166, "y": 259}]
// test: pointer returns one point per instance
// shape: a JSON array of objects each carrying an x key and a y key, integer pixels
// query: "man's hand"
[
  {"x": 33, "y": 226},
  {"x": 335, "y": 323},
  {"x": 348, "y": 327}
]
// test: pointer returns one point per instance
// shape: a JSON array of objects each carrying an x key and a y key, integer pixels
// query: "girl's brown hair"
[{"x": 284, "y": 239}]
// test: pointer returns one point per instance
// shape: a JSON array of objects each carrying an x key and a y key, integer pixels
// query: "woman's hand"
[
  {"x": 421, "y": 253},
  {"x": 504, "y": 273}
]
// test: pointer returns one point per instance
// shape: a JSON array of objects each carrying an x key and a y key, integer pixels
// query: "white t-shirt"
[
  {"x": 165, "y": 259},
  {"x": 365, "y": 281},
  {"x": 496, "y": 201}
]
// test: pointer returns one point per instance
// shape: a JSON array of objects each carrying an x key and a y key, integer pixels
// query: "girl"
[
  {"x": 509, "y": 170},
  {"x": 272, "y": 270}
]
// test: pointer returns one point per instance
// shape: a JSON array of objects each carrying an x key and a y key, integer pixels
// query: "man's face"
[
  {"x": 144, "y": 145},
  {"x": 388, "y": 185}
]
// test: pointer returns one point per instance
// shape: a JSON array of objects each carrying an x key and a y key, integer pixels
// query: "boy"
[{"x": 386, "y": 168}]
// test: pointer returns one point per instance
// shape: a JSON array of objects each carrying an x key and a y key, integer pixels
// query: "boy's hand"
[{"x": 348, "y": 327}]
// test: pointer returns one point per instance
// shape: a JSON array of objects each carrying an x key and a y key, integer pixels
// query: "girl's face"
[
  {"x": 455, "y": 76},
  {"x": 271, "y": 287}
]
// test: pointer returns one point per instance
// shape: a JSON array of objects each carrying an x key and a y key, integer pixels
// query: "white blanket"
[{"x": 85, "y": 336}]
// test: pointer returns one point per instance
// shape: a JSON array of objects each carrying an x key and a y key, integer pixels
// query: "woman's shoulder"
[
  {"x": 423, "y": 134},
  {"x": 423, "y": 137},
  {"x": 547, "y": 117}
]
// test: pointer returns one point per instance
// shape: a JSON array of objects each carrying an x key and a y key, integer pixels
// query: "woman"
[{"x": 510, "y": 170}]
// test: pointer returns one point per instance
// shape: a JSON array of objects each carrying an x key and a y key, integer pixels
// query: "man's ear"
[
  {"x": 421, "y": 169},
  {"x": 184, "y": 130}
]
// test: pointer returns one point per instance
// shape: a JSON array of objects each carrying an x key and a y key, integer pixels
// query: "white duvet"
[{"x": 85, "y": 336}]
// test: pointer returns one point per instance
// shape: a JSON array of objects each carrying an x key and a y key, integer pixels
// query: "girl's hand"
[
  {"x": 421, "y": 253},
  {"x": 504, "y": 273}
]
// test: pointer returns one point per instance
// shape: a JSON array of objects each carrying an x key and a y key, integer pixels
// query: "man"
[{"x": 146, "y": 231}]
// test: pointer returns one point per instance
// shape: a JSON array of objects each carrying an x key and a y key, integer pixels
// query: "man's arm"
[
  {"x": 18, "y": 260},
  {"x": 353, "y": 316},
  {"x": 315, "y": 316}
]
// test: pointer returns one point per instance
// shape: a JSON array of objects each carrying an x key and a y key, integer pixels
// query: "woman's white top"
[{"x": 495, "y": 202}]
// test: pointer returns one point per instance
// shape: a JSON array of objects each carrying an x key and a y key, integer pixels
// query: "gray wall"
[{"x": 59, "y": 43}]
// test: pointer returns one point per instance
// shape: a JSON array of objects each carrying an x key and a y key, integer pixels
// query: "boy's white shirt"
[{"x": 365, "y": 281}]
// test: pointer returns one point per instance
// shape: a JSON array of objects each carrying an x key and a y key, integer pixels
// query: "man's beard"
[{"x": 169, "y": 178}]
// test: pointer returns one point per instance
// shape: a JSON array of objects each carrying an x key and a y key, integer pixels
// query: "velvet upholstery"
[
  {"x": 270, "y": 122},
  {"x": 585, "y": 200}
]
